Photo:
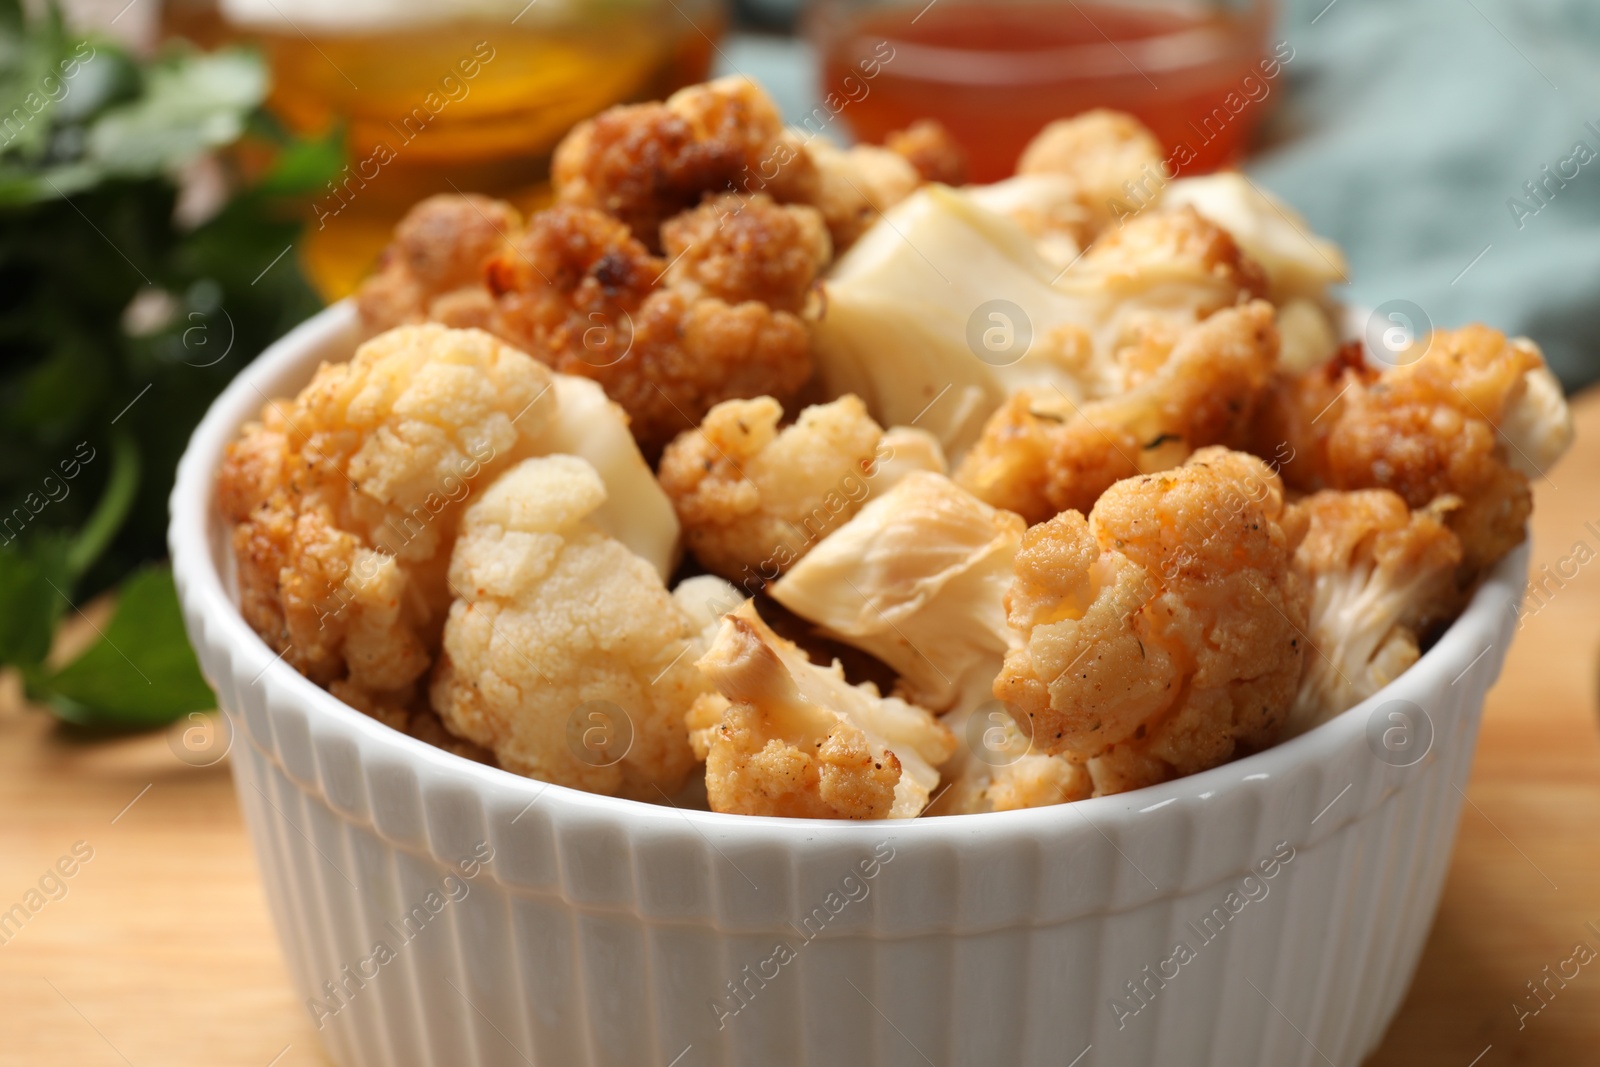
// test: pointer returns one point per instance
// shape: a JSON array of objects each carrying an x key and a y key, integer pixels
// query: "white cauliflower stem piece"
[
  {"x": 1380, "y": 575},
  {"x": 918, "y": 579},
  {"x": 787, "y": 737},
  {"x": 558, "y": 629}
]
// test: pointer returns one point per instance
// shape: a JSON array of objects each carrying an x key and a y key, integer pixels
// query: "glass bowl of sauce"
[{"x": 995, "y": 72}]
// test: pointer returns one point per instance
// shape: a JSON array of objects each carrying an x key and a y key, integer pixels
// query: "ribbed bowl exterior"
[{"x": 437, "y": 912}]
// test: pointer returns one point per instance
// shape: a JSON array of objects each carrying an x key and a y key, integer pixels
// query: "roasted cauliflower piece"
[
  {"x": 783, "y": 736},
  {"x": 1472, "y": 417},
  {"x": 996, "y": 769},
  {"x": 940, "y": 315},
  {"x": 1049, "y": 208},
  {"x": 644, "y": 163},
  {"x": 753, "y": 499},
  {"x": 1298, "y": 263},
  {"x": 1381, "y": 576},
  {"x": 930, "y": 148},
  {"x": 1165, "y": 634},
  {"x": 344, "y": 499},
  {"x": 564, "y": 654},
  {"x": 918, "y": 579},
  {"x": 856, "y": 185},
  {"x": 1101, "y": 152},
  {"x": 579, "y": 293},
  {"x": 433, "y": 269},
  {"x": 1041, "y": 453}
]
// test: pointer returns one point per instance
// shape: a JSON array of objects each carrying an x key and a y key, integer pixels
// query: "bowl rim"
[{"x": 207, "y": 603}]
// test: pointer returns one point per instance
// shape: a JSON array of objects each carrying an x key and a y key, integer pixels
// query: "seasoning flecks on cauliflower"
[
  {"x": 559, "y": 631},
  {"x": 1164, "y": 634},
  {"x": 790, "y": 738},
  {"x": 917, "y": 578},
  {"x": 1041, "y": 453},
  {"x": 753, "y": 499},
  {"x": 1465, "y": 418},
  {"x": 344, "y": 500},
  {"x": 1380, "y": 576}
]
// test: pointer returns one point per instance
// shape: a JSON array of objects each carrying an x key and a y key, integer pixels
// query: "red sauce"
[{"x": 996, "y": 73}]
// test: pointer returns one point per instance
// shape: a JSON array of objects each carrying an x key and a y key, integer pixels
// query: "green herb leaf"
[{"x": 141, "y": 672}]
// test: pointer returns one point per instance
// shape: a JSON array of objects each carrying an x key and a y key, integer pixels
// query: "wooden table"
[{"x": 161, "y": 951}]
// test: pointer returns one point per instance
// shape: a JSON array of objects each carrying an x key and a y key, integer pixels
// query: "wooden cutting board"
[{"x": 160, "y": 950}]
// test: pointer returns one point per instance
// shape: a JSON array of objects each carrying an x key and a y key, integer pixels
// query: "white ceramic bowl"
[{"x": 608, "y": 932}]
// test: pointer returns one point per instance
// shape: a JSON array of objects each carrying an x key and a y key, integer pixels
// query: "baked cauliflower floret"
[
  {"x": 433, "y": 269},
  {"x": 345, "y": 499},
  {"x": 753, "y": 499},
  {"x": 1380, "y": 576},
  {"x": 794, "y": 739},
  {"x": 564, "y": 654},
  {"x": 1164, "y": 634},
  {"x": 930, "y": 148},
  {"x": 856, "y": 185},
  {"x": 918, "y": 579},
  {"x": 1041, "y": 453},
  {"x": 996, "y": 769},
  {"x": 1298, "y": 263},
  {"x": 1470, "y": 417},
  {"x": 739, "y": 248},
  {"x": 581, "y": 294},
  {"x": 1101, "y": 151},
  {"x": 644, "y": 163}
]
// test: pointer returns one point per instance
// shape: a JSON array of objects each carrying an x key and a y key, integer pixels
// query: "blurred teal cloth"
[
  {"x": 1408, "y": 129},
  {"x": 1407, "y": 133}
]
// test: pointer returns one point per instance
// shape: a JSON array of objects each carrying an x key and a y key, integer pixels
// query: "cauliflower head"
[
  {"x": 1380, "y": 576},
  {"x": 1164, "y": 634},
  {"x": 1041, "y": 453},
  {"x": 344, "y": 500},
  {"x": 563, "y": 653},
  {"x": 917, "y": 578},
  {"x": 1471, "y": 417},
  {"x": 753, "y": 499},
  {"x": 783, "y": 736}
]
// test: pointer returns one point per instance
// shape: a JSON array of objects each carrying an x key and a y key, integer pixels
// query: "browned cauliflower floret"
[
  {"x": 997, "y": 769},
  {"x": 1164, "y": 634},
  {"x": 753, "y": 499},
  {"x": 564, "y": 653},
  {"x": 1472, "y": 417},
  {"x": 644, "y": 163},
  {"x": 1099, "y": 150},
  {"x": 856, "y": 185},
  {"x": 345, "y": 498},
  {"x": 928, "y": 146},
  {"x": 787, "y": 737},
  {"x": 739, "y": 248},
  {"x": 433, "y": 270},
  {"x": 582, "y": 295},
  {"x": 1381, "y": 576},
  {"x": 1041, "y": 454}
]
